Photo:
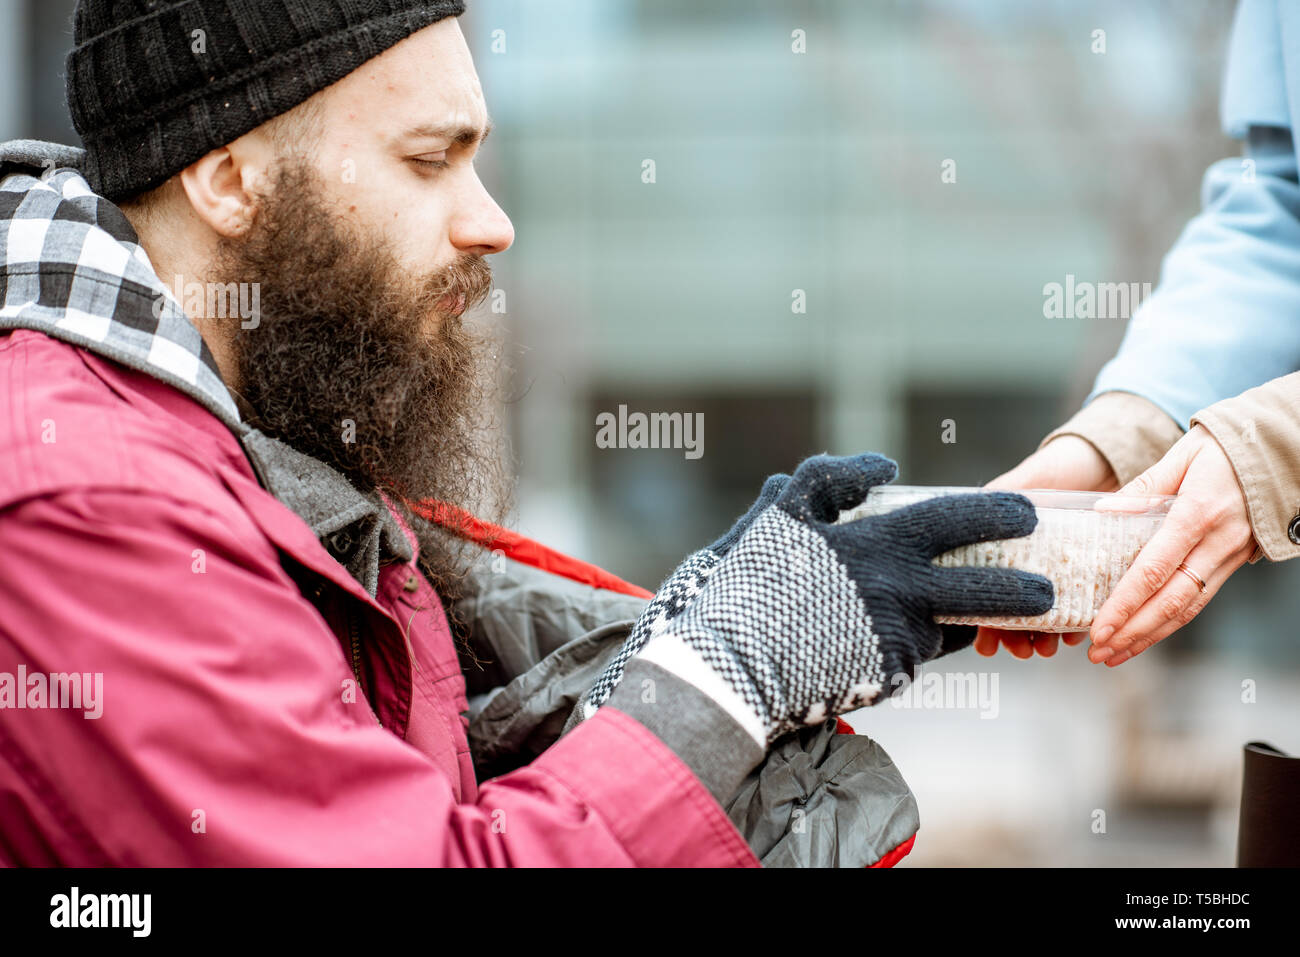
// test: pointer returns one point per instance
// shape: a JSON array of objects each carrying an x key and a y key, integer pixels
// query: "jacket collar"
[{"x": 73, "y": 268}]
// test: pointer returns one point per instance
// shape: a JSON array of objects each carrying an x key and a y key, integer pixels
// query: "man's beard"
[{"x": 354, "y": 362}]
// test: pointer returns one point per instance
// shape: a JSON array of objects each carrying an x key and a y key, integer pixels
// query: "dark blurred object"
[
  {"x": 50, "y": 25},
  {"x": 1268, "y": 834},
  {"x": 654, "y": 506},
  {"x": 990, "y": 432}
]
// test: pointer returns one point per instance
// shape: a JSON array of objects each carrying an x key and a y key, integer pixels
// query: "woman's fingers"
[
  {"x": 1024, "y": 644},
  {"x": 1173, "y": 606},
  {"x": 1178, "y": 534},
  {"x": 1207, "y": 528},
  {"x": 1019, "y": 643},
  {"x": 986, "y": 642},
  {"x": 1045, "y": 644},
  {"x": 1166, "y": 476}
]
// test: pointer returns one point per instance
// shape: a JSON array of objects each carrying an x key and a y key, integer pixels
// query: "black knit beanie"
[{"x": 150, "y": 95}]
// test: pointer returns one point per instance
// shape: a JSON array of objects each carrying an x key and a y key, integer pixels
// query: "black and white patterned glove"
[
  {"x": 806, "y": 619},
  {"x": 674, "y": 595}
]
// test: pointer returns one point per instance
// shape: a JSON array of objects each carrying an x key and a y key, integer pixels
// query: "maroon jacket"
[{"x": 136, "y": 543}]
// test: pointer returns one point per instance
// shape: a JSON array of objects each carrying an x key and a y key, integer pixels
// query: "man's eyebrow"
[{"x": 456, "y": 132}]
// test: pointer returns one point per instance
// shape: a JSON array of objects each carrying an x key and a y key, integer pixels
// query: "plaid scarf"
[
  {"x": 72, "y": 267},
  {"x": 75, "y": 270}
]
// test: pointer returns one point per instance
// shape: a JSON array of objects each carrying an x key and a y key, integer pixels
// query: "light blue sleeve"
[{"x": 1225, "y": 316}]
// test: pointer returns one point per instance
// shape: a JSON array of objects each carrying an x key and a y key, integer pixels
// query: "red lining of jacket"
[{"x": 523, "y": 549}]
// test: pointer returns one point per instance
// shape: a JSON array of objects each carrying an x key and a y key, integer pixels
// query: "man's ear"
[{"x": 222, "y": 186}]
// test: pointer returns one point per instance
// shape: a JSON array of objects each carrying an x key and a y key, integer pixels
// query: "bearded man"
[{"x": 253, "y": 531}]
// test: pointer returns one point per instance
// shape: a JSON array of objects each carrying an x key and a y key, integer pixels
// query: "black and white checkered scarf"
[{"x": 75, "y": 270}]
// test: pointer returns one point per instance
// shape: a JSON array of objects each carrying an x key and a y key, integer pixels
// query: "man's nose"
[{"x": 481, "y": 227}]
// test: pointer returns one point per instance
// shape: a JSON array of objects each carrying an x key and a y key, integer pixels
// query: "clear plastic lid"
[
  {"x": 896, "y": 496},
  {"x": 1083, "y": 543}
]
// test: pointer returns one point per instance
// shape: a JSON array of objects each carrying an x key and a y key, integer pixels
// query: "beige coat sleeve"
[
  {"x": 1260, "y": 432},
  {"x": 1130, "y": 432}
]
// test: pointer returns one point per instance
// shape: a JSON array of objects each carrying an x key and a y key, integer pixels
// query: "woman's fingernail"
[
  {"x": 1102, "y": 634},
  {"x": 1098, "y": 655}
]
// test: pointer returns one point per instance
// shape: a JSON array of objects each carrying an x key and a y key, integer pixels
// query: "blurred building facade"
[{"x": 828, "y": 227}]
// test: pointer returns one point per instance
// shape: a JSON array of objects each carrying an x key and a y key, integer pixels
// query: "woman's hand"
[
  {"x": 1067, "y": 462},
  {"x": 1207, "y": 528}
]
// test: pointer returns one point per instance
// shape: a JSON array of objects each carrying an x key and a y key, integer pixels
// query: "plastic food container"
[{"x": 1084, "y": 543}]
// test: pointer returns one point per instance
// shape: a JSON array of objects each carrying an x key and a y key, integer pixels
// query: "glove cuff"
[
  {"x": 674, "y": 655},
  {"x": 691, "y": 724}
]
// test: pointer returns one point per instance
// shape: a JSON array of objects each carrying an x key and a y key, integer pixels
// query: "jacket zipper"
[{"x": 354, "y": 636}]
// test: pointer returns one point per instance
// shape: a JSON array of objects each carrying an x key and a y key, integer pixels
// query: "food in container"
[{"x": 1084, "y": 543}]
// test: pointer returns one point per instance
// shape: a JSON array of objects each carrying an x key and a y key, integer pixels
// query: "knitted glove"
[
  {"x": 805, "y": 618},
  {"x": 674, "y": 595}
]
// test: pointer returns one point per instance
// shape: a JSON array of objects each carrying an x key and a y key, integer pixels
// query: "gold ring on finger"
[{"x": 1200, "y": 582}]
